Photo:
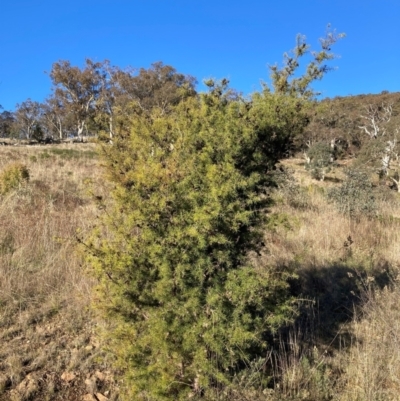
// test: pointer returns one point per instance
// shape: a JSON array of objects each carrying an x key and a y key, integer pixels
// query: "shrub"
[
  {"x": 370, "y": 156},
  {"x": 355, "y": 197},
  {"x": 175, "y": 256},
  {"x": 12, "y": 177},
  {"x": 288, "y": 187},
  {"x": 189, "y": 209},
  {"x": 320, "y": 160}
]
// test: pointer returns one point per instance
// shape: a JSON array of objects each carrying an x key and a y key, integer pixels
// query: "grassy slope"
[
  {"x": 343, "y": 346},
  {"x": 49, "y": 349},
  {"x": 48, "y": 344}
]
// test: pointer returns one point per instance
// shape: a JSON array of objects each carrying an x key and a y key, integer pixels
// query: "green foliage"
[
  {"x": 320, "y": 160},
  {"x": 69, "y": 154},
  {"x": 189, "y": 208},
  {"x": 12, "y": 177},
  {"x": 284, "y": 80},
  {"x": 290, "y": 190},
  {"x": 276, "y": 220},
  {"x": 44, "y": 155},
  {"x": 176, "y": 251},
  {"x": 355, "y": 197},
  {"x": 37, "y": 133},
  {"x": 370, "y": 156}
]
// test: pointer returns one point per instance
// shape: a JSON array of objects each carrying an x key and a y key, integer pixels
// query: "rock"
[
  {"x": 89, "y": 397},
  {"x": 68, "y": 376},
  {"x": 101, "y": 397}
]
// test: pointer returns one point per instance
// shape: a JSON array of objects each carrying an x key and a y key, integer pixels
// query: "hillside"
[{"x": 340, "y": 118}]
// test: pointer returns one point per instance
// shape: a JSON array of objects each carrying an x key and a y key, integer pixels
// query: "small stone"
[
  {"x": 68, "y": 376},
  {"x": 101, "y": 397}
]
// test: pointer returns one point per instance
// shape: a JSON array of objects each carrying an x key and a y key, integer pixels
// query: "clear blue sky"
[{"x": 234, "y": 39}]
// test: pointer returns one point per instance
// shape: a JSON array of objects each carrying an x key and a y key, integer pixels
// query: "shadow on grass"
[
  {"x": 334, "y": 180},
  {"x": 328, "y": 297}
]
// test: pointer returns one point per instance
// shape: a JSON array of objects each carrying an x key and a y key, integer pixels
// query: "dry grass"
[
  {"x": 372, "y": 365},
  {"x": 343, "y": 347},
  {"x": 316, "y": 234},
  {"x": 46, "y": 329}
]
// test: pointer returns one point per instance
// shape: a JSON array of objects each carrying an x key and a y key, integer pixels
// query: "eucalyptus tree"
[
  {"x": 27, "y": 117},
  {"x": 7, "y": 121},
  {"x": 54, "y": 118},
  {"x": 77, "y": 90},
  {"x": 121, "y": 90},
  {"x": 106, "y": 111},
  {"x": 159, "y": 86},
  {"x": 376, "y": 118}
]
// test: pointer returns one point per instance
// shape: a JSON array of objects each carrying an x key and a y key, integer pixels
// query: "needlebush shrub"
[{"x": 12, "y": 177}]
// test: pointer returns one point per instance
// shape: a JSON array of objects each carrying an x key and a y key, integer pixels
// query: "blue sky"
[{"x": 235, "y": 39}]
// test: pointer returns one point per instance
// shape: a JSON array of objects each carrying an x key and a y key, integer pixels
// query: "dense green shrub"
[
  {"x": 12, "y": 177},
  {"x": 355, "y": 197},
  {"x": 189, "y": 207},
  {"x": 176, "y": 251}
]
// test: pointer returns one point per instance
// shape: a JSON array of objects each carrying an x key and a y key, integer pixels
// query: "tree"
[
  {"x": 158, "y": 86},
  {"x": 109, "y": 90},
  {"x": 77, "y": 90},
  {"x": 7, "y": 121},
  {"x": 190, "y": 204},
  {"x": 54, "y": 117},
  {"x": 27, "y": 117},
  {"x": 176, "y": 251},
  {"x": 284, "y": 79},
  {"x": 287, "y": 81},
  {"x": 328, "y": 123},
  {"x": 381, "y": 152},
  {"x": 376, "y": 117}
]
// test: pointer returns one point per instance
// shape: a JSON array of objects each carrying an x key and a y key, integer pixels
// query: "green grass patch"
[{"x": 73, "y": 153}]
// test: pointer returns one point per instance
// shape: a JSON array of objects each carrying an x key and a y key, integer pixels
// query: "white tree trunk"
[{"x": 81, "y": 127}]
